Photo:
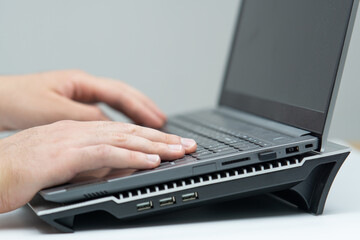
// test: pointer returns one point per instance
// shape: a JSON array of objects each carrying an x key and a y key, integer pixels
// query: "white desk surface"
[{"x": 255, "y": 218}]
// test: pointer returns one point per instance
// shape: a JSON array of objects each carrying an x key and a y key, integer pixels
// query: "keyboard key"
[
  {"x": 201, "y": 150},
  {"x": 212, "y": 140},
  {"x": 240, "y": 144},
  {"x": 247, "y": 148},
  {"x": 227, "y": 139},
  {"x": 197, "y": 155},
  {"x": 164, "y": 165},
  {"x": 223, "y": 149},
  {"x": 186, "y": 159},
  {"x": 217, "y": 154},
  {"x": 218, "y": 146},
  {"x": 214, "y": 145}
]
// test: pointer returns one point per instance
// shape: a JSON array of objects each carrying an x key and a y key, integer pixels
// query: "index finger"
[
  {"x": 121, "y": 97},
  {"x": 150, "y": 134}
]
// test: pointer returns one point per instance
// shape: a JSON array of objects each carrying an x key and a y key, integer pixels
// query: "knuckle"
[
  {"x": 133, "y": 157},
  {"x": 170, "y": 138},
  {"x": 103, "y": 150},
  {"x": 159, "y": 147},
  {"x": 130, "y": 128},
  {"x": 120, "y": 137},
  {"x": 104, "y": 125},
  {"x": 176, "y": 138},
  {"x": 166, "y": 137}
]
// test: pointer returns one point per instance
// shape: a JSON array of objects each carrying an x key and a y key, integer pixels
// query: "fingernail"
[
  {"x": 153, "y": 158},
  {"x": 175, "y": 147},
  {"x": 187, "y": 142}
]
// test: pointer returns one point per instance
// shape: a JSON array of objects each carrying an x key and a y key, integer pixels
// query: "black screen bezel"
[{"x": 307, "y": 119}]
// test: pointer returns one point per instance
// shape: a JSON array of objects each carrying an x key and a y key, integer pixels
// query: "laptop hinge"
[{"x": 263, "y": 122}]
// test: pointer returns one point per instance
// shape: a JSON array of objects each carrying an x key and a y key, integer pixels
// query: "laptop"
[{"x": 277, "y": 99}]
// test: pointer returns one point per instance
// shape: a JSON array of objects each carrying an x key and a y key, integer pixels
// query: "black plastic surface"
[
  {"x": 264, "y": 156},
  {"x": 306, "y": 187}
]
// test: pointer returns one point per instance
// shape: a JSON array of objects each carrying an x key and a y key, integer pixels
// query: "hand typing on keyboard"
[
  {"x": 52, "y": 154},
  {"x": 212, "y": 142}
]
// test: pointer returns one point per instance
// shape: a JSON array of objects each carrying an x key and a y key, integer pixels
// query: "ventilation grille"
[
  {"x": 207, "y": 179},
  {"x": 184, "y": 184},
  {"x": 95, "y": 194}
]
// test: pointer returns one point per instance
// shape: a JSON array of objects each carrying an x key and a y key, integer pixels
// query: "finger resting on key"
[
  {"x": 140, "y": 144},
  {"x": 103, "y": 155},
  {"x": 189, "y": 145}
]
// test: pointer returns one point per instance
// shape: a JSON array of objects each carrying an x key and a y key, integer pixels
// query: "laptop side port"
[
  {"x": 189, "y": 196},
  {"x": 292, "y": 150},
  {"x": 167, "y": 201},
  {"x": 144, "y": 206},
  {"x": 235, "y": 161}
]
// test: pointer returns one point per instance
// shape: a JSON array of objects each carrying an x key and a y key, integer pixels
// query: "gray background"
[{"x": 173, "y": 50}]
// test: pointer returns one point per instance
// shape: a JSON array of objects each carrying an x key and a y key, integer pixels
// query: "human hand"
[
  {"x": 53, "y": 154},
  {"x": 37, "y": 99}
]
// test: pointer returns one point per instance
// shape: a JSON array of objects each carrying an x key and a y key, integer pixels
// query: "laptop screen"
[{"x": 285, "y": 58}]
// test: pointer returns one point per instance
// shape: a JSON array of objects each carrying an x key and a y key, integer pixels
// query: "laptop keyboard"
[{"x": 213, "y": 141}]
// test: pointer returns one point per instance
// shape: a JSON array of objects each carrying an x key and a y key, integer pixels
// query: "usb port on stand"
[
  {"x": 144, "y": 206},
  {"x": 189, "y": 196},
  {"x": 167, "y": 201}
]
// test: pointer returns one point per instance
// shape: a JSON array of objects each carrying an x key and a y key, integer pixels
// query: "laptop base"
[{"x": 304, "y": 182}]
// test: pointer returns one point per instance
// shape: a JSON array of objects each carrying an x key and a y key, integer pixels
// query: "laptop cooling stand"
[{"x": 303, "y": 181}]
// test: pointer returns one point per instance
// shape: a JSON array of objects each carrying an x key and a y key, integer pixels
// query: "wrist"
[
  {"x": 6, "y": 101},
  {"x": 3, "y": 178},
  {"x": 7, "y": 197}
]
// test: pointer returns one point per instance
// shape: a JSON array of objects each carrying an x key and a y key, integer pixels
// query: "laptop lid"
[{"x": 287, "y": 59}]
